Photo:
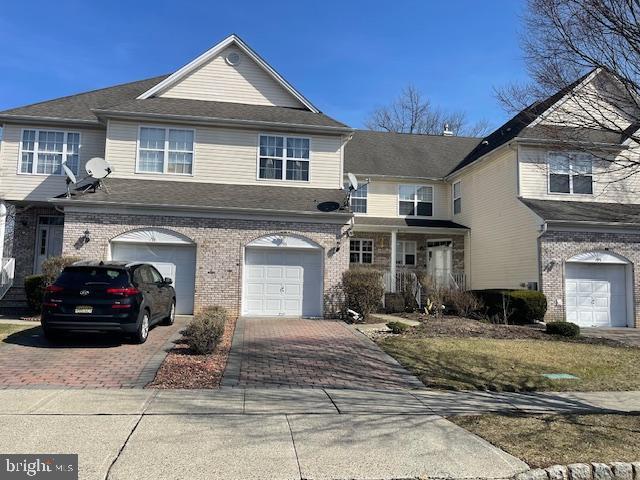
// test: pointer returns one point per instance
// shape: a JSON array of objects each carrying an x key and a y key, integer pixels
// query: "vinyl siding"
[
  {"x": 225, "y": 156},
  {"x": 610, "y": 185},
  {"x": 247, "y": 83},
  {"x": 501, "y": 250},
  {"x": 14, "y": 186},
  {"x": 382, "y": 199}
]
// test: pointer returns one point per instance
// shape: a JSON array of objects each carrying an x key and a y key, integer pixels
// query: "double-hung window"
[
  {"x": 165, "y": 150},
  {"x": 415, "y": 200},
  {"x": 405, "y": 252},
  {"x": 45, "y": 151},
  {"x": 457, "y": 197},
  {"x": 360, "y": 251},
  {"x": 358, "y": 199},
  {"x": 570, "y": 173},
  {"x": 283, "y": 158}
]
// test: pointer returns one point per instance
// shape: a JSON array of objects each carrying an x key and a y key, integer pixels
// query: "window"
[
  {"x": 358, "y": 199},
  {"x": 44, "y": 152},
  {"x": 405, "y": 252},
  {"x": 457, "y": 198},
  {"x": 165, "y": 150},
  {"x": 415, "y": 200},
  {"x": 571, "y": 173},
  {"x": 284, "y": 158},
  {"x": 361, "y": 251}
]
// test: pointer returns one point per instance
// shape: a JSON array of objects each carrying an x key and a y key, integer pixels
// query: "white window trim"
[
  {"x": 361, "y": 198},
  {"x": 571, "y": 175},
  {"x": 404, "y": 258},
  {"x": 359, "y": 262},
  {"x": 416, "y": 201},
  {"x": 165, "y": 164},
  {"x": 34, "y": 167},
  {"x": 454, "y": 198},
  {"x": 284, "y": 159}
]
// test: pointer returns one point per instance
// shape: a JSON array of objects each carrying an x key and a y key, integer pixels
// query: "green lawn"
[
  {"x": 545, "y": 440},
  {"x": 515, "y": 365},
  {"x": 7, "y": 329}
]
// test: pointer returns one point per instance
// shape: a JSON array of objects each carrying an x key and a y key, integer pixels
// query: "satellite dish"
[
  {"x": 70, "y": 175},
  {"x": 328, "y": 206},
  {"x": 98, "y": 168},
  {"x": 353, "y": 181}
]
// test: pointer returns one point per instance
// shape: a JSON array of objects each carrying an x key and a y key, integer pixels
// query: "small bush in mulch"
[
  {"x": 205, "y": 330},
  {"x": 397, "y": 327},
  {"x": 363, "y": 290},
  {"x": 516, "y": 307},
  {"x": 564, "y": 329},
  {"x": 52, "y": 267},
  {"x": 34, "y": 289}
]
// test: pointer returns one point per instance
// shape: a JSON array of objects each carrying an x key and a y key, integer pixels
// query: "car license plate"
[{"x": 84, "y": 309}]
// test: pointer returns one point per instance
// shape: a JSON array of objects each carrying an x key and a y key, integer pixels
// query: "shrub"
[
  {"x": 52, "y": 267},
  {"x": 464, "y": 303},
  {"x": 514, "y": 306},
  {"x": 363, "y": 290},
  {"x": 397, "y": 327},
  {"x": 34, "y": 288},
  {"x": 206, "y": 328},
  {"x": 564, "y": 329},
  {"x": 394, "y": 303}
]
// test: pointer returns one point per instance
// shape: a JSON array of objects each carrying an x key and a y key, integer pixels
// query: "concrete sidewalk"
[{"x": 274, "y": 433}]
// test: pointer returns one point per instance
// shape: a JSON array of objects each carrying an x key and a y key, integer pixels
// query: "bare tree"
[
  {"x": 411, "y": 112},
  {"x": 586, "y": 52}
]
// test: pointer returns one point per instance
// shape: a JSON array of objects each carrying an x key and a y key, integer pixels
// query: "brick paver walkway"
[
  {"x": 279, "y": 352},
  {"x": 83, "y": 360}
]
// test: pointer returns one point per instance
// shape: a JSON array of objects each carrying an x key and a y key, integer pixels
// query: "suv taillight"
[
  {"x": 54, "y": 289},
  {"x": 123, "y": 292}
]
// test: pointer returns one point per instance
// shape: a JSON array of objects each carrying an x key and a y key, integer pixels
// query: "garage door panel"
[{"x": 273, "y": 273}]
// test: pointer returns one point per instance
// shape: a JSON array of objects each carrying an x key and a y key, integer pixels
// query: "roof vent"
[
  {"x": 446, "y": 132},
  {"x": 233, "y": 58}
]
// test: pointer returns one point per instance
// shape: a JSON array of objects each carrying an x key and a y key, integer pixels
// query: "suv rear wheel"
[
  {"x": 172, "y": 315},
  {"x": 143, "y": 328}
]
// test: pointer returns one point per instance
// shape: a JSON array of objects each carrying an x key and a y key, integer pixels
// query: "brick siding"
[
  {"x": 219, "y": 247},
  {"x": 558, "y": 247}
]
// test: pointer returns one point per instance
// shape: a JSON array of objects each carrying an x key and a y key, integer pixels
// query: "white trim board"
[{"x": 232, "y": 39}]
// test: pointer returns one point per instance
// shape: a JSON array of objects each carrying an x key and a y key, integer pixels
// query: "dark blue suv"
[{"x": 108, "y": 296}]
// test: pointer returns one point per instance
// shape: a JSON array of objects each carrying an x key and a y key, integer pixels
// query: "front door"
[
  {"x": 439, "y": 258},
  {"x": 48, "y": 239}
]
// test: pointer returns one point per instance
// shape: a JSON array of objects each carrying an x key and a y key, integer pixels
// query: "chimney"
[{"x": 446, "y": 132}]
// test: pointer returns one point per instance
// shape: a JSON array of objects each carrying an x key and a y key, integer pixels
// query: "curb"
[{"x": 584, "y": 471}]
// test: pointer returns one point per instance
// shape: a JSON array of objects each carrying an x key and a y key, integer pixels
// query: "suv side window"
[
  {"x": 137, "y": 276},
  {"x": 155, "y": 275}
]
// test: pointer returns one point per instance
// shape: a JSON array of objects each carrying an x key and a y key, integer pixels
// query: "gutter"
[
  {"x": 256, "y": 211},
  {"x": 219, "y": 121},
  {"x": 9, "y": 118},
  {"x": 588, "y": 222}
]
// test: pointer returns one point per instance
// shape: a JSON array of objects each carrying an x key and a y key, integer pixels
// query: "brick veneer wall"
[
  {"x": 382, "y": 248},
  {"x": 219, "y": 247},
  {"x": 560, "y": 246}
]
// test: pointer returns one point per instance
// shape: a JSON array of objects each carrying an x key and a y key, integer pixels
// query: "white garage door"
[
  {"x": 177, "y": 262},
  {"x": 282, "y": 283},
  {"x": 596, "y": 294}
]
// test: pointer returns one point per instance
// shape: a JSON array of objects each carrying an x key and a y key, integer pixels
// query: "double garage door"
[
  {"x": 596, "y": 294},
  {"x": 282, "y": 282},
  {"x": 177, "y": 262}
]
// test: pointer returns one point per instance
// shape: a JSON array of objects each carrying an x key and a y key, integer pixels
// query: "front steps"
[{"x": 14, "y": 303}]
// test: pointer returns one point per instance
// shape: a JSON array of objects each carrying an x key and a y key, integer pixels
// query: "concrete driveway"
[
  {"x": 295, "y": 352},
  {"x": 628, "y": 336},
  {"x": 84, "y": 360},
  {"x": 246, "y": 434}
]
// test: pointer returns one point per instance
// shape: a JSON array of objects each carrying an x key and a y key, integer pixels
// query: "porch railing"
[
  {"x": 7, "y": 272},
  {"x": 407, "y": 280}
]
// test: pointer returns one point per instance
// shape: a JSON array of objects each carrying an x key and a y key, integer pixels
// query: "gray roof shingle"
[
  {"x": 406, "y": 222},
  {"x": 405, "y": 155},
  {"x": 590, "y": 212},
  {"x": 192, "y": 195}
]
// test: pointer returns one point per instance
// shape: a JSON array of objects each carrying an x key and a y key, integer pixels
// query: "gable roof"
[
  {"x": 405, "y": 155},
  {"x": 79, "y": 108},
  {"x": 214, "y": 51}
]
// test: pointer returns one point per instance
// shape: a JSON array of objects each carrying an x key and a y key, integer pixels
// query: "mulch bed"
[{"x": 183, "y": 369}]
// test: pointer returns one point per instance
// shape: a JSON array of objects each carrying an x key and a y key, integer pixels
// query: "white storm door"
[{"x": 48, "y": 244}]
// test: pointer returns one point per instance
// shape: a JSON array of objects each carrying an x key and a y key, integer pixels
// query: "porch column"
[
  {"x": 392, "y": 267},
  {"x": 3, "y": 221}
]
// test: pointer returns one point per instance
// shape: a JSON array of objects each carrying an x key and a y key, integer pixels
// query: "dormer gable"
[{"x": 230, "y": 72}]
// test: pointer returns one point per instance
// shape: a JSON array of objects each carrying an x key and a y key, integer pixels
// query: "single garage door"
[
  {"x": 282, "y": 282},
  {"x": 596, "y": 294},
  {"x": 177, "y": 262}
]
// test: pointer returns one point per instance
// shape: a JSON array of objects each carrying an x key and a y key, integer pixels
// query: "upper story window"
[
  {"x": 415, "y": 200},
  {"x": 457, "y": 197},
  {"x": 358, "y": 199},
  {"x": 570, "y": 173},
  {"x": 165, "y": 150},
  {"x": 45, "y": 151},
  {"x": 283, "y": 158},
  {"x": 360, "y": 251}
]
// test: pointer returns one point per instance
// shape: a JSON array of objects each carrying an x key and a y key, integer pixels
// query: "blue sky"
[{"x": 347, "y": 57}]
